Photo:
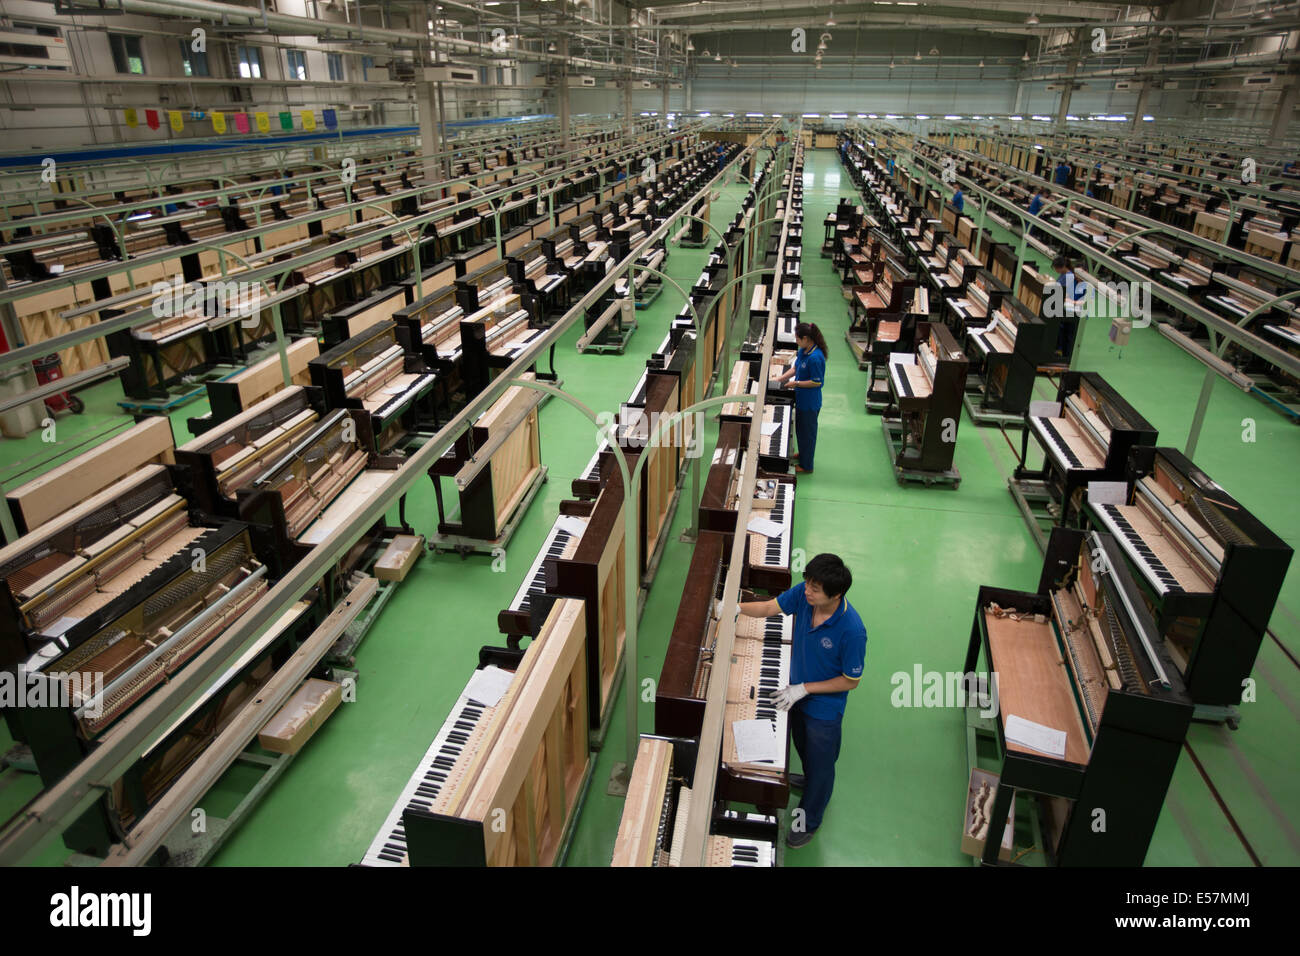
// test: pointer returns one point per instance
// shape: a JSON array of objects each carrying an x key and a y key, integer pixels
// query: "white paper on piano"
[
  {"x": 489, "y": 685},
  {"x": 1046, "y": 740},
  {"x": 770, "y": 428},
  {"x": 765, "y": 526},
  {"x": 756, "y": 741},
  {"x": 1044, "y": 409},
  {"x": 902, "y": 358},
  {"x": 1108, "y": 492},
  {"x": 572, "y": 524}
]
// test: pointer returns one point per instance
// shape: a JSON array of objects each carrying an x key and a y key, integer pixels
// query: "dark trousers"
[
  {"x": 1065, "y": 337},
  {"x": 818, "y": 744},
  {"x": 805, "y": 435}
]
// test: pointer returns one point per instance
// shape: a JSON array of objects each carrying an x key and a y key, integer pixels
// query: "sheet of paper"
[
  {"x": 1046, "y": 740},
  {"x": 572, "y": 524},
  {"x": 769, "y": 428},
  {"x": 765, "y": 526},
  {"x": 489, "y": 685},
  {"x": 756, "y": 741},
  {"x": 1044, "y": 409},
  {"x": 902, "y": 358},
  {"x": 1108, "y": 492}
]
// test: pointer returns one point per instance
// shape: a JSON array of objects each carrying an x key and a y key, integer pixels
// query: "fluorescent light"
[
  {"x": 1041, "y": 118},
  {"x": 891, "y": 116},
  {"x": 1148, "y": 119},
  {"x": 731, "y": 115},
  {"x": 952, "y": 116},
  {"x": 1071, "y": 116},
  {"x": 758, "y": 115},
  {"x": 1015, "y": 119},
  {"x": 839, "y": 116},
  {"x": 706, "y": 114},
  {"x": 811, "y": 115},
  {"x": 872, "y": 116},
  {"x": 977, "y": 117},
  {"x": 921, "y": 116},
  {"x": 862, "y": 116}
]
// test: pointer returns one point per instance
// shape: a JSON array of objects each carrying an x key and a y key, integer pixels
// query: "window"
[
  {"x": 335, "y": 61},
  {"x": 297, "y": 64},
  {"x": 126, "y": 53},
  {"x": 250, "y": 62},
  {"x": 193, "y": 63},
  {"x": 367, "y": 64}
]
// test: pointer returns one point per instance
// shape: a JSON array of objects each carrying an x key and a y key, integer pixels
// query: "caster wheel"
[
  {"x": 76, "y": 404},
  {"x": 1233, "y": 723}
]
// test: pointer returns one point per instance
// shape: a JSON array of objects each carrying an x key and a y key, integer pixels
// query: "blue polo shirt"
[
  {"x": 958, "y": 201},
  {"x": 809, "y": 367},
  {"x": 836, "y": 647},
  {"x": 1062, "y": 175},
  {"x": 1035, "y": 204}
]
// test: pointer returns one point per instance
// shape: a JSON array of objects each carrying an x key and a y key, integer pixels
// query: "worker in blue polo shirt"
[
  {"x": 958, "y": 200},
  {"x": 806, "y": 375},
  {"x": 1061, "y": 175},
  {"x": 827, "y": 655}
]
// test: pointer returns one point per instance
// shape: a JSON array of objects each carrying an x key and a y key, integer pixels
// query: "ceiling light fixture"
[
  {"x": 690, "y": 46},
  {"x": 1032, "y": 20},
  {"x": 981, "y": 64},
  {"x": 1025, "y": 58},
  {"x": 830, "y": 19},
  {"x": 934, "y": 51}
]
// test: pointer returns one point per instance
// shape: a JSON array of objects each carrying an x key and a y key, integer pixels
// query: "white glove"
[{"x": 788, "y": 696}]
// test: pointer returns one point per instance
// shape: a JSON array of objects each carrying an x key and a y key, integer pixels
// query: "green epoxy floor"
[{"x": 918, "y": 555}]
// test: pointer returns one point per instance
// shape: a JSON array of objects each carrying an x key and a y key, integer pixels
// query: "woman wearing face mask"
[{"x": 808, "y": 371}]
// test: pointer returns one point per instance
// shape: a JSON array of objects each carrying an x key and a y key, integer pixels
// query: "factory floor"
[{"x": 918, "y": 555}]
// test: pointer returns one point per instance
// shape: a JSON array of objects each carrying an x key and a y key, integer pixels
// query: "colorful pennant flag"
[
  {"x": 132, "y": 119},
  {"x": 151, "y": 117},
  {"x": 263, "y": 122},
  {"x": 308, "y": 120},
  {"x": 286, "y": 120},
  {"x": 331, "y": 119},
  {"x": 219, "y": 121},
  {"x": 176, "y": 120},
  {"x": 241, "y": 122}
]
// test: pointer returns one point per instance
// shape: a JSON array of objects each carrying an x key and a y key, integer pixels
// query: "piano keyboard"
[
  {"x": 775, "y": 552},
  {"x": 777, "y": 444},
  {"x": 733, "y": 851},
  {"x": 908, "y": 379},
  {"x": 1064, "y": 445},
  {"x": 759, "y": 670},
  {"x": 560, "y": 543},
  {"x": 456, "y": 737}
]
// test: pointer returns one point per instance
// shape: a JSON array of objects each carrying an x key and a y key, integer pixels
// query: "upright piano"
[
  {"x": 1081, "y": 659},
  {"x": 1087, "y": 438},
  {"x": 1210, "y": 572}
]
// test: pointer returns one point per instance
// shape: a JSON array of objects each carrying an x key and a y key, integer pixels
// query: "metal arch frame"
[{"x": 43, "y": 819}]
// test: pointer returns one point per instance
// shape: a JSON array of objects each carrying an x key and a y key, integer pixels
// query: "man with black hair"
[{"x": 827, "y": 654}]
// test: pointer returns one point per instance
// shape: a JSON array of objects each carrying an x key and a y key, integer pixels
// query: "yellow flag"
[
  {"x": 219, "y": 122},
  {"x": 263, "y": 122},
  {"x": 308, "y": 120},
  {"x": 131, "y": 119},
  {"x": 177, "y": 121}
]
